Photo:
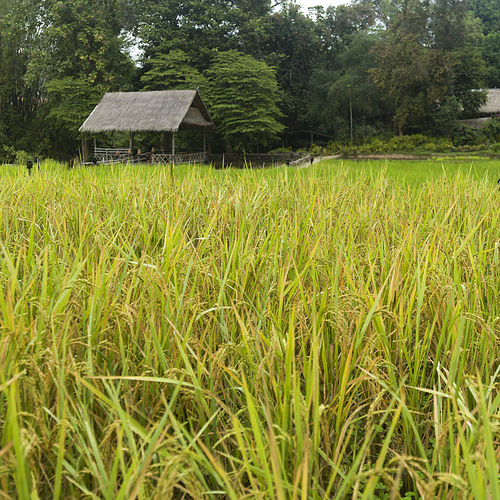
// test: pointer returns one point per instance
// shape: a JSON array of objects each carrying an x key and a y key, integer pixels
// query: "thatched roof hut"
[
  {"x": 492, "y": 104},
  {"x": 156, "y": 111},
  {"x": 490, "y": 107}
]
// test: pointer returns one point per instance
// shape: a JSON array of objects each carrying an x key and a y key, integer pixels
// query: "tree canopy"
[
  {"x": 403, "y": 65},
  {"x": 242, "y": 94}
]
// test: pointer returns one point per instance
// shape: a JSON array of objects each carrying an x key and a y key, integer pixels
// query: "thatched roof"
[
  {"x": 157, "y": 111},
  {"x": 476, "y": 123},
  {"x": 492, "y": 104}
]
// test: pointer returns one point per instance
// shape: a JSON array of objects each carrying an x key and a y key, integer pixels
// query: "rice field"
[{"x": 330, "y": 332}]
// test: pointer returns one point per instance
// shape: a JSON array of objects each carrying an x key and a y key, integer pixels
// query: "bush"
[
  {"x": 334, "y": 147},
  {"x": 492, "y": 128},
  {"x": 465, "y": 136},
  {"x": 402, "y": 144},
  {"x": 22, "y": 157},
  {"x": 467, "y": 148},
  {"x": 315, "y": 150},
  {"x": 280, "y": 150},
  {"x": 7, "y": 154}
]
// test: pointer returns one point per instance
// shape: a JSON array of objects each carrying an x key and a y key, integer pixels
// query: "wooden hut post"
[
  {"x": 204, "y": 143},
  {"x": 172, "y": 158},
  {"x": 85, "y": 149}
]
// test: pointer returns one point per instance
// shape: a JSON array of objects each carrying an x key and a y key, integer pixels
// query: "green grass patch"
[{"x": 416, "y": 173}]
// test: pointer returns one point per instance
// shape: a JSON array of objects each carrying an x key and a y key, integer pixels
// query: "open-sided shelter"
[
  {"x": 487, "y": 110},
  {"x": 154, "y": 111}
]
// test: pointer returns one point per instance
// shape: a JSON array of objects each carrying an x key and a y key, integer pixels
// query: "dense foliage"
[{"x": 403, "y": 66}]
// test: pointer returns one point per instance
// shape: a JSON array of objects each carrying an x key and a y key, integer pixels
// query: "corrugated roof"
[{"x": 155, "y": 111}]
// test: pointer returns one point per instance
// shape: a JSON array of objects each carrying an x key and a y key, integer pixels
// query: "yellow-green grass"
[{"x": 286, "y": 333}]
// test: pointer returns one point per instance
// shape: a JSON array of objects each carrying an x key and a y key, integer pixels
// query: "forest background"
[{"x": 395, "y": 66}]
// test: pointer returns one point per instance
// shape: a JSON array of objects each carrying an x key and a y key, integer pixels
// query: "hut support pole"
[
  {"x": 173, "y": 145},
  {"x": 204, "y": 143},
  {"x": 95, "y": 142},
  {"x": 131, "y": 144}
]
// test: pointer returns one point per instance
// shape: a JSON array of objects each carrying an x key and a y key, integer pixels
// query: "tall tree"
[
  {"x": 488, "y": 12},
  {"x": 294, "y": 48},
  {"x": 337, "y": 94},
  {"x": 81, "y": 54},
  {"x": 427, "y": 58},
  {"x": 411, "y": 76},
  {"x": 340, "y": 84},
  {"x": 200, "y": 28},
  {"x": 491, "y": 55},
  {"x": 242, "y": 96},
  {"x": 470, "y": 69},
  {"x": 448, "y": 24},
  {"x": 19, "y": 101},
  {"x": 170, "y": 72}
]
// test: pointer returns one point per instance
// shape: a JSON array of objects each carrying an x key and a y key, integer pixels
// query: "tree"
[
  {"x": 80, "y": 54},
  {"x": 335, "y": 93},
  {"x": 470, "y": 69},
  {"x": 491, "y": 55},
  {"x": 411, "y": 76},
  {"x": 242, "y": 96},
  {"x": 339, "y": 25},
  {"x": 294, "y": 49},
  {"x": 19, "y": 100},
  {"x": 429, "y": 58},
  {"x": 201, "y": 28},
  {"x": 448, "y": 24},
  {"x": 489, "y": 13},
  {"x": 171, "y": 71}
]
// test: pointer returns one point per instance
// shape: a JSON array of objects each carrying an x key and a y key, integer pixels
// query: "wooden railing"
[
  {"x": 111, "y": 155},
  {"x": 164, "y": 159},
  {"x": 120, "y": 155}
]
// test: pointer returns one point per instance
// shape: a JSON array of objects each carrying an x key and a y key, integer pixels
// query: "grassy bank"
[
  {"x": 291, "y": 333},
  {"x": 416, "y": 173}
]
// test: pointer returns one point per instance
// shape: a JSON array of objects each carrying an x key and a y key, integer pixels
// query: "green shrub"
[
  {"x": 22, "y": 157},
  {"x": 403, "y": 144},
  {"x": 492, "y": 128},
  {"x": 468, "y": 148},
  {"x": 281, "y": 150},
  {"x": 315, "y": 150},
  {"x": 465, "y": 135},
  {"x": 334, "y": 147},
  {"x": 7, "y": 154}
]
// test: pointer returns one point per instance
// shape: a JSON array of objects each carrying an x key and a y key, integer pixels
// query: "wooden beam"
[{"x": 204, "y": 143}]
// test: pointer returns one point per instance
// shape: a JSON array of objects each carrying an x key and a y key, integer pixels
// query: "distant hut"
[
  {"x": 489, "y": 108},
  {"x": 155, "y": 111}
]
